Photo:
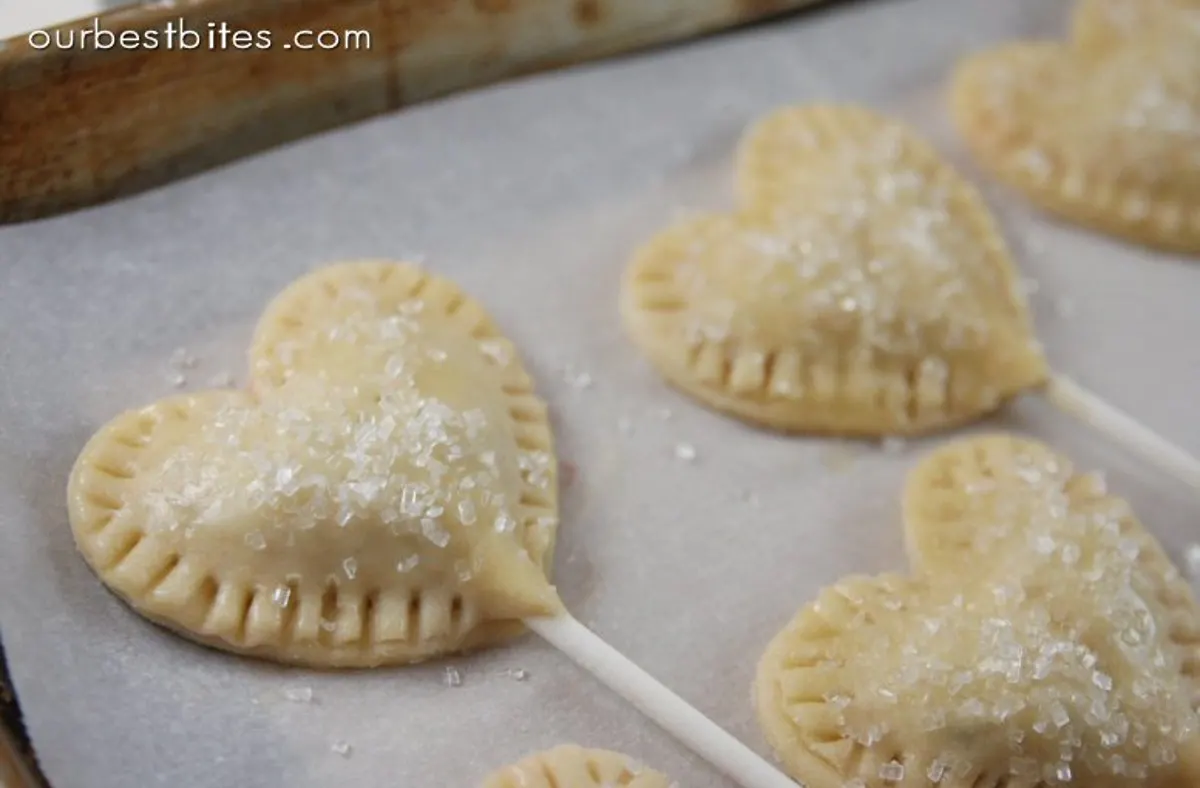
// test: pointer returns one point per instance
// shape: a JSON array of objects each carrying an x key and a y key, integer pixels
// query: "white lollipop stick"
[
  {"x": 1071, "y": 398},
  {"x": 675, "y": 715},
  {"x": 514, "y": 587}
]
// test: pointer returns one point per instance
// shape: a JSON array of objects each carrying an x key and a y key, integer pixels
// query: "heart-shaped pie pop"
[
  {"x": 385, "y": 493},
  {"x": 966, "y": 498},
  {"x": 1104, "y": 132},
  {"x": 1101, "y": 25},
  {"x": 1045, "y": 639},
  {"x": 570, "y": 766},
  {"x": 863, "y": 289}
]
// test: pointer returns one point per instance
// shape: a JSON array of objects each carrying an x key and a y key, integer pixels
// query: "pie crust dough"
[
  {"x": 570, "y": 766},
  {"x": 1099, "y": 26},
  {"x": 1103, "y": 131},
  {"x": 960, "y": 498},
  {"x": 862, "y": 289},
  {"x": 385, "y": 493},
  {"x": 1046, "y": 638}
]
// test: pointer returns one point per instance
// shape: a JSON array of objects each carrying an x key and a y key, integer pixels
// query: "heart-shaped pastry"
[
  {"x": 966, "y": 498},
  {"x": 1100, "y": 25},
  {"x": 570, "y": 766},
  {"x": 1046, "y": 639},
  {"x": 1105, "y": 132},
  {"x": 863, "y": 289},
  {"x": 386, "y": 492}
]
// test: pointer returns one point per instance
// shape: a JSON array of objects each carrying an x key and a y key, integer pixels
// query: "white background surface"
[{"x": 532, "y": 195}]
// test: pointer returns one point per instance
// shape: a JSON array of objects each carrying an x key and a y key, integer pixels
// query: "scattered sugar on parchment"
[
  {"x": 178, "y": 364},
  {"x": 182, "y": 359},
  {"x": 299, "y": 694},
  {"x": 221, "y": 380},
  {"x": 452, "y": 677},
  {"x": 577, "y": 378},
  {"x": 685, "y": 452},
  {"x": 342, "y": 748},
  {"x": 517, "y": 674}
]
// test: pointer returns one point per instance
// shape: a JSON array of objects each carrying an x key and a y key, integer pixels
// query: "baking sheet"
[{"x": 532, "y": 196}]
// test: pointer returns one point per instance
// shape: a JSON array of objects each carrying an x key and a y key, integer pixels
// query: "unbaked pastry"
[
  {"x": 1104, "y": 131},
  {"x": 569, "y": 766},
  {"x": 963, "y": 497},
  {"x": 1046, "y": 639},
  {"x": 863, "y": 289},
  {"x": 385, "y": 493},
  {"x": 1101, "y": 25}
]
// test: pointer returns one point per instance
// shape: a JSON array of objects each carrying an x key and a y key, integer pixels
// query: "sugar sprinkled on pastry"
[
  {"x": 385, "y": 493},
  {"x": 570, "y": 766},
  {"x": 862, "y": 289},
  {"x": 1104, "y": 131},
  {"x": 1098, "y": 26},
  {"x": 1049, "y": 641},
  {"x": 960, "y": 499}
]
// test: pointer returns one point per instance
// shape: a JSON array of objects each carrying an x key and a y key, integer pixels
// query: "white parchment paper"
[{"x": 532, "y": 195}]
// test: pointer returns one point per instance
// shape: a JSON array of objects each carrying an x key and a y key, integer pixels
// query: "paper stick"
[
  {"x": 1122, "y": 428},
  {"x": 675, "y": 715}
]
